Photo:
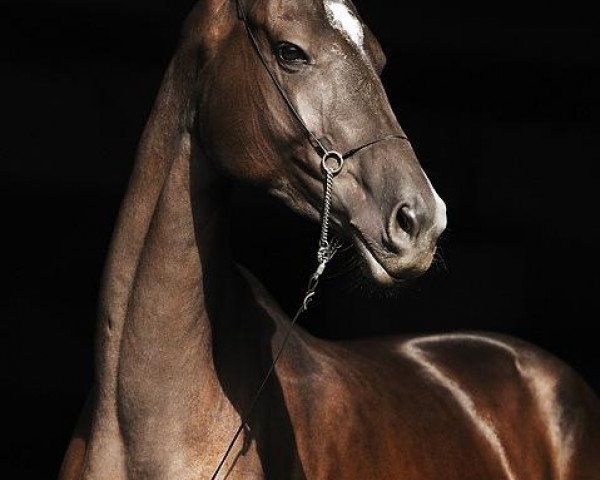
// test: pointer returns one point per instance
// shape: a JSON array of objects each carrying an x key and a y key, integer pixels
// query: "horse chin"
[
  {"x": 373, "y": 276},
  {"x": 375, "y": 270},
  {"x": 381, "y": 278}
]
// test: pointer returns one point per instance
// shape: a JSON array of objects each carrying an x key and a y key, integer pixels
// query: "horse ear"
[
  {"x": 209, "y": 21},
  {"x": 207, "y": 24}
]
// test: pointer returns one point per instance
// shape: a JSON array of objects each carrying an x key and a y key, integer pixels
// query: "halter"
[{"x": 332, "y": 163}]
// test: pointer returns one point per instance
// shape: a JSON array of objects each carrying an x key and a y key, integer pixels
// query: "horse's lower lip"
[{"x": 377, "y": 269}]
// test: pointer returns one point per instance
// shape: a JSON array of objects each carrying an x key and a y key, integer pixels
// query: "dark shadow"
[{"x": 242, "y": 334}]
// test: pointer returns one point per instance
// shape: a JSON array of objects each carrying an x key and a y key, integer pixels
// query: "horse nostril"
[
  {"x": 407, "y": 220},
  {"x": 404, "y": 227}
]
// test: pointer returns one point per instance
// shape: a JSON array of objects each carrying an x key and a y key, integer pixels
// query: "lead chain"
[
  {"x": 332, "y": 164},
  {"x": 324, "y": 252},
  {"x": 327, "y": 250}
]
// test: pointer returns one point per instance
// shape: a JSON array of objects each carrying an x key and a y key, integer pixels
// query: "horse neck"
[
  {"x": 184, "y": 337},
  {"x": 168, "y": 256},
  {"x": 183, "y": 258}
]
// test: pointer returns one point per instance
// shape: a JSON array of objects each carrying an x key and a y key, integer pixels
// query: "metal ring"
[{"x": 337, "y": 168}]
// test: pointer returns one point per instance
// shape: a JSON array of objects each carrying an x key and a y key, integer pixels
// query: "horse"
[{"x": 255, "y": 89}]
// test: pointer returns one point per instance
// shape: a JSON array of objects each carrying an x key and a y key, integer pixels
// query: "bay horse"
[{"x": 185, "y": 335}]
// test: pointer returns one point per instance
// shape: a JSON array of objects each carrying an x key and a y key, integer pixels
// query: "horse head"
[{"x": 328, "y": 64}]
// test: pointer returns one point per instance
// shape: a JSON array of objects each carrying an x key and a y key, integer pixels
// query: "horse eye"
[{"x": 289, "y": 53}]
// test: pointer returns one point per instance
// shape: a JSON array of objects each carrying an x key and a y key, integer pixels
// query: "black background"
[{"x": 501, "y": 103}]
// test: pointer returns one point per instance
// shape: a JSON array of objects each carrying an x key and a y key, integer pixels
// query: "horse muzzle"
[{"x": 394, "y": 216}]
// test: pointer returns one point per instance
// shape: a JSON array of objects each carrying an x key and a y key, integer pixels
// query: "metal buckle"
[{"x": 326, "y": 163}]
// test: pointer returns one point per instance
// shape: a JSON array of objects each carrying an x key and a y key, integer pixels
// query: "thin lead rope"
[{"x": 263, "y": 384}]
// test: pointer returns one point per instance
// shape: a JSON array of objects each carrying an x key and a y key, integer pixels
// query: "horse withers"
[{"x": 185, "y": 335}]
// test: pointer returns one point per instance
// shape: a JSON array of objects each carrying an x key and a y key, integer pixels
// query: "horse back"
[{"x": 459, "y": 406}]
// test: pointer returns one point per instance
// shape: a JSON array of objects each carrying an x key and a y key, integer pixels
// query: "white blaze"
[{"x": 343, "y": 20}]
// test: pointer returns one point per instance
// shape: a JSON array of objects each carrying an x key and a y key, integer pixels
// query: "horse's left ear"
[
  {"x": 206, "y": 27},
  {"x": 209, "y": 22}
]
